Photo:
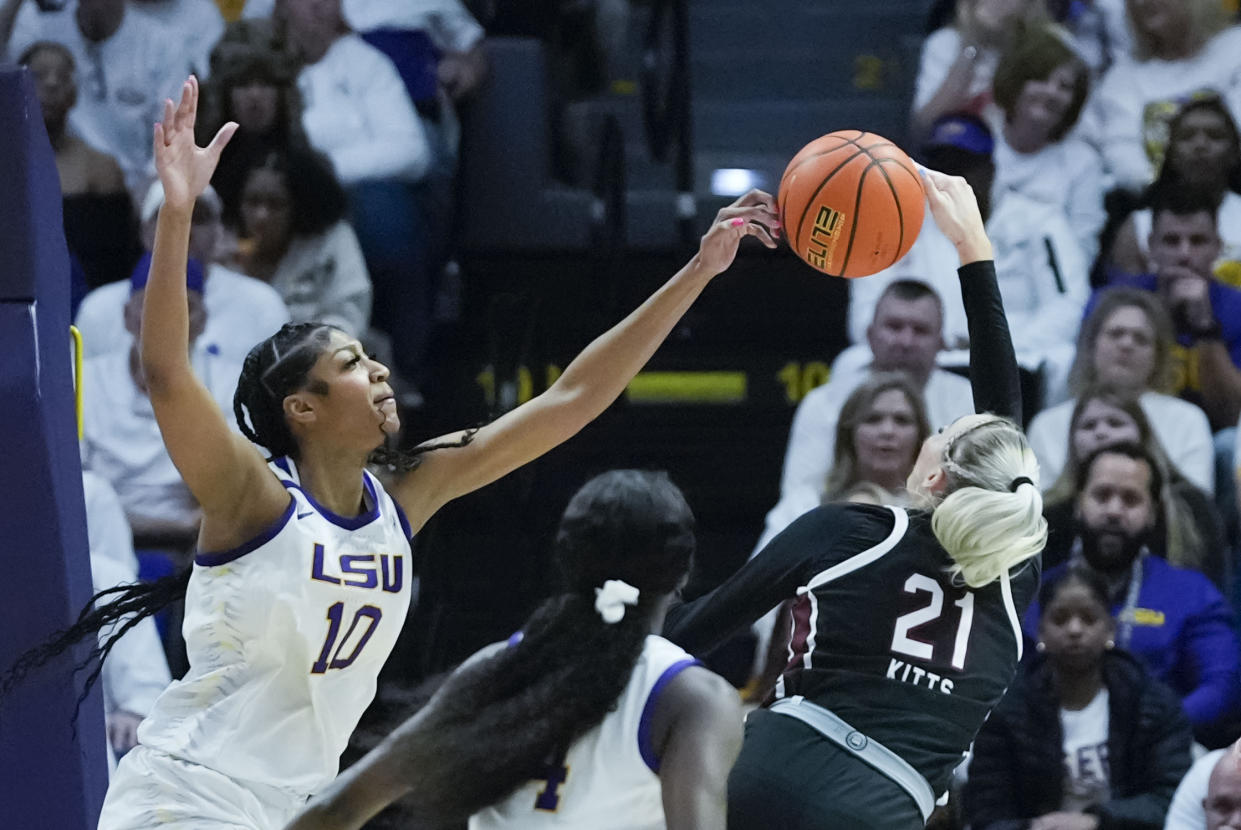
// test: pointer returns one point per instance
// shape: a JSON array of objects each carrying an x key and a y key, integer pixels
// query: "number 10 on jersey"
[{"x": 330, "y": 656}]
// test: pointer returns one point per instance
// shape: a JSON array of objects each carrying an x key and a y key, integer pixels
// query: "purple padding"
[{"x": 51, "y": 775}]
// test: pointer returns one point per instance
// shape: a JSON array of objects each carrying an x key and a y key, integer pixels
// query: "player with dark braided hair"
[
  {"x": 585, "y": 718},
  {"x": 303, "y": 572}
]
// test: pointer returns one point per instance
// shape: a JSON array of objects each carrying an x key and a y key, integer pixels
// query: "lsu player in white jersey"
[
  {"x": 585, "y": 718},
  {"x": 303, "y": 573}
]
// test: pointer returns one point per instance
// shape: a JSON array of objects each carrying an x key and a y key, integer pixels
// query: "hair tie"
[
  {"x": 1018, "y": 481},
  {"x": 611, "y": 599}
]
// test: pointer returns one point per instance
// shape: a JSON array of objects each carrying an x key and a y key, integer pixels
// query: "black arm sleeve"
[
  {"x": 772, "y": 576},
  {"x": 993, "y": 363}
]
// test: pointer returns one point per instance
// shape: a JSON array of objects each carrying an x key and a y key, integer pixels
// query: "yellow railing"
[{"x": 77, "y": 376}]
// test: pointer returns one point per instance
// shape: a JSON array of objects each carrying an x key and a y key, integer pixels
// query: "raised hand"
[
  {"x": 955, "y": 209},
  {"x": 754, "y": 214},
  {"x": 185, "y": 168}
]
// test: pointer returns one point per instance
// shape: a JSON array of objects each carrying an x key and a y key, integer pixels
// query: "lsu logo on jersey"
[{"x": 367, "y": 571}]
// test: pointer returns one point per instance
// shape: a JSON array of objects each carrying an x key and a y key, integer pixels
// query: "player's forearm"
[
  {"x": 597, "y": 376},
  {"x": 357, "y": 796},
  {"x": 994, "y": 376},
  {"x": 164, "y": 340}
]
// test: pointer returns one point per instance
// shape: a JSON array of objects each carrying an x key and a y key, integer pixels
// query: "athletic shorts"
[
  {"x": 153, "y": 789},
  {"x": 790, "y": 776}
]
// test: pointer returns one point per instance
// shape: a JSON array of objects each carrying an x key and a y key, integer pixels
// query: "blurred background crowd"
[{"x": 472, "y": 186}]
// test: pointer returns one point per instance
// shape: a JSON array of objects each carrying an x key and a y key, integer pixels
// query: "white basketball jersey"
[
  {"x": 285, "y": 637},
  {"x": 610, "y": 776}
]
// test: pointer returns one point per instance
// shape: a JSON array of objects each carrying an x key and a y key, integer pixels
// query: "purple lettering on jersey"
[
  {"x": 335, "y": 614},
  {"x": 316, "y": 571},
  {"x": 398, "y": 573},
  {"x": 333, "y": 617},
  {"x": 349, "y": 567},
  {"x": 548, "y": 799},
  {"x": 371, "y": 613}
]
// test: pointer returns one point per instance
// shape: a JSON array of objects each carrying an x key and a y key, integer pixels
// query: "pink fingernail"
[{"x": 737, "y": 222}]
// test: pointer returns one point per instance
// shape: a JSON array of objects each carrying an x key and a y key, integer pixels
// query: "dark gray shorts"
[{"x": 790, "y": 776}]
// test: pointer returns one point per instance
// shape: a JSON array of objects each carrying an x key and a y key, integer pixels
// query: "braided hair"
[
  {"x": 273, "y": 369},
  {"x": 280, "y": 366},
  {"x": 497, "y": 722}
]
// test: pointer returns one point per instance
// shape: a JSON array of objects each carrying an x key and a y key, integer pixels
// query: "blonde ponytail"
[{"x": 992, "y": 516}]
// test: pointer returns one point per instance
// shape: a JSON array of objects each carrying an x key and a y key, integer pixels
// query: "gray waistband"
[{"x": 872, "y": 752}]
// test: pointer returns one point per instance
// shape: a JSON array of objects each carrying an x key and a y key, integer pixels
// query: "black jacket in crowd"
[{"x": 1017, "y": 772}]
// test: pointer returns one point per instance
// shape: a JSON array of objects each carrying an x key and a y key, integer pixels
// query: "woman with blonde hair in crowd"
[
  {"x": 1189, "y": 532},
  {"x": 1126, "y": 342},
  {"x": 881, "y": 426}
]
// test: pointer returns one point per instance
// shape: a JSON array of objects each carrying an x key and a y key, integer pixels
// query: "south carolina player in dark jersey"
[
  {"x": 639, "y": 736},
  {"x": 905, "y": 623}
]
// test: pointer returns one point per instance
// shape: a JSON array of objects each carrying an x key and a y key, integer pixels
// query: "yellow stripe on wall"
[{"x": 688, "y": 387}]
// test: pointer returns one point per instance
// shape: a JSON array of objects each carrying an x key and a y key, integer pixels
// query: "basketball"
[{"x": 851, "y": 203}]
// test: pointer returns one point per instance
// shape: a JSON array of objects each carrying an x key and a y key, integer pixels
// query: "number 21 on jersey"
[{"x": 905, "y": 642}]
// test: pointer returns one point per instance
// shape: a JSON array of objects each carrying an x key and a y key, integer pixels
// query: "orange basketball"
[{"x": 851, "y": 203}]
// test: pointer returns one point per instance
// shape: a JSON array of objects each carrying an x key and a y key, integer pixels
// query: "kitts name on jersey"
[
  {"x": 906, "y": 673},
  {"x": 366, "y": 571}
]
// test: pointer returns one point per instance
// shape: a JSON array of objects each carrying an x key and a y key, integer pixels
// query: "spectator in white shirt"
[
  {"x": 121, "y": 439},
  {"x": 1041, "y": 86},
  {"x": 198, "y": 23},
  {"x": 1188, "y": 808},
  {"x": 1204, "y": 153},
  {"x": 1223, "y": 799},
  {"x": 355, "y": 107},
  {"x": 1126, "y": 343},
  {"x": 241, "y": 310},
  {"x": 1180, "y": 47},
  {"x": 958, "y": 61},
  {"x": 135, "y": 670},
  {"x": 357, "y": 112},
  {"x": 127, "y": 65},
  {"x": 904, "y": 336}
]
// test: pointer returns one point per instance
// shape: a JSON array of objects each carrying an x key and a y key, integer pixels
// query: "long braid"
[
  {"x": 129, "y": 606},
  {"x": 495, "y": 723},
  {"x": 249, "y": 371}
]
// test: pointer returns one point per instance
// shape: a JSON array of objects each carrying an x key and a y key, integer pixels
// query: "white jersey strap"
[
  {"x": 1010, "y": 608},
  {"x": 866, "y": 557}
]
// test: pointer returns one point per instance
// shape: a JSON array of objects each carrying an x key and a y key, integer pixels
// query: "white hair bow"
[{"x": 611, "y": 599}]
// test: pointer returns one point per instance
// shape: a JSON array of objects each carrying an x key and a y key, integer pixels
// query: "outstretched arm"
[
  {"x": 224, "y": 471},
  {"x": 993, "y": 363},
  {"x": 594, "y": 379},
  {"x": 387, "y": 773},
  {"x": 700, "y": 722},
  {"x": 807, "y": 546}
]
